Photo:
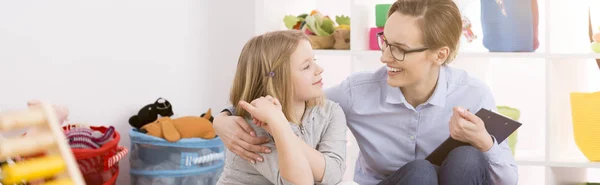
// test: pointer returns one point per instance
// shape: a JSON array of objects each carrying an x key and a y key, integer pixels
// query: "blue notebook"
[{"x": 496, "y": 124}]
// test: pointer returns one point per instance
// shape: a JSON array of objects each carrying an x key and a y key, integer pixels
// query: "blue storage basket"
[
  {"x": 511, "y": 33},
  {"x": 191, "y": 161}
]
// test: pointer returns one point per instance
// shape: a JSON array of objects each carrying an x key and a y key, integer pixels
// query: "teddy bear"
[
  {"x": 150, "y": 112},
  {"x": 174, "y": 129}
]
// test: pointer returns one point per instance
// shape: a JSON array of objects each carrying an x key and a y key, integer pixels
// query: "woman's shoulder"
[{"x": 459, "y": 78}]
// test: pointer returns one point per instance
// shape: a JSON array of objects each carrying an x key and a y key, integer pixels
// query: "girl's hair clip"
[{"x": 271, "y": 74}]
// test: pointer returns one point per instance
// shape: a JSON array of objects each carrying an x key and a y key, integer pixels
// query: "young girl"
[{"x": 278, "y": 75}]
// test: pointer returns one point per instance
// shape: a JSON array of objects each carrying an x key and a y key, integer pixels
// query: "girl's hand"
[{"x": 264, "y": 110}]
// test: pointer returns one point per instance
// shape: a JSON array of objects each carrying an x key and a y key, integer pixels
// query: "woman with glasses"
[{"x": 400, "y": 113}]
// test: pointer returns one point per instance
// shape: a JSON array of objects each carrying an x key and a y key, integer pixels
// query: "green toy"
[
  {"x": 343, "y": 21},
  {"x": 315, "y": 23},
  {"x": 318, "y": 24},
  {"x": 514, "y": 114},
  {"x": 322, "y": 30},
  {"x": 381, "y": 12}
]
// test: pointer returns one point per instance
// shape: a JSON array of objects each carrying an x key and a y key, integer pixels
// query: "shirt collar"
[{"x": 438, "y": 98}]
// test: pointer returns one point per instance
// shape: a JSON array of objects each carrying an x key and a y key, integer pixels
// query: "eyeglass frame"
[{"x": 380, "y": 35}]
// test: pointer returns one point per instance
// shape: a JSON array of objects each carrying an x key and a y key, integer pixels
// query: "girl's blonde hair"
[
  {"x": 264, "y": 69},
  {"x": 439, "y": 20}
]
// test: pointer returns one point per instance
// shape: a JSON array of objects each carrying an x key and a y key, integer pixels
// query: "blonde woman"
[
  {"x": 400, "y": 113},
  {"x": 278, "y": 75}
]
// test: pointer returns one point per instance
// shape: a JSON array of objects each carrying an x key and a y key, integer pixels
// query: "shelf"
[
  {"x": 369, "y": 54},
  {"x": 569, "y": 164},
  {"x": 546, "y": 150},
  {"x": 332, "y": 52},
  {"x": 531, "y": 163},
  {"x": 533, "y": 158},
  {"x": 575, "y": 55}
]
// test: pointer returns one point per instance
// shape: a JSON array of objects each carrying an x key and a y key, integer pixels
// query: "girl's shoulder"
[{"x": 326, "y": 110}]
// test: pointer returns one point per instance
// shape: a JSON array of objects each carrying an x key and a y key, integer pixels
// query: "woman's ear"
[{"x": 441, "y": 55}]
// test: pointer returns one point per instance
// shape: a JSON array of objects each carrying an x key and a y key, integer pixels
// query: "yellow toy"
[{"x": 58, "y": 162}]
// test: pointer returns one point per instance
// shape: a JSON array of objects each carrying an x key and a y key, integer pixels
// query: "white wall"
[{"x": 106, "y": 59}]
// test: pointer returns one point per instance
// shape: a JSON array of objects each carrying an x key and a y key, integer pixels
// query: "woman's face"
[{"x": 403, "y": 34}]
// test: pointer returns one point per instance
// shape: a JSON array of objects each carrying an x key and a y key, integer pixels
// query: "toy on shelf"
[
  {"x": 515, "y": 33},
  {"x": 586, "y": 123},
  {"x": 596, "y": 42},
  {"x": 57, "y": 164},
  {"x": 341, "y": 35},
  {"x": 513, "y": 114},
  {"x": 467, "y": 31},
  {"x": 173, "y": 130},
  {"x": 322, "y": 30},
  {"x": 381, "y": 14}
]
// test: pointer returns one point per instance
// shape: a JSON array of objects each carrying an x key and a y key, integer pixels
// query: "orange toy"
[{"x": 173, "y": 130}]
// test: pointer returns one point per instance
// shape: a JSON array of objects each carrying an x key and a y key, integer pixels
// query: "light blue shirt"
[{"x": 390, "y": 132}]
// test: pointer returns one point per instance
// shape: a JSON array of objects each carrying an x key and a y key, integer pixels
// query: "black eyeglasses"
[{"x": 398, "y": 53}]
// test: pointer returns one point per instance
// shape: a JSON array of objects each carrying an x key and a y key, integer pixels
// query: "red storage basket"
[{"x": 100, "y": 166}]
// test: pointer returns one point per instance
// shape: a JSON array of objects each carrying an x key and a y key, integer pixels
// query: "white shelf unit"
[{"x": 537, "y": 83}]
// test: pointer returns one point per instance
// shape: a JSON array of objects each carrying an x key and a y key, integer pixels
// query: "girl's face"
[
  {"x": 408, "y": 60},
  {"x": 305, "y": 73}
]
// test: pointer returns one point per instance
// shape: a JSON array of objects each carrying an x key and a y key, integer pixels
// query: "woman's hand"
[
  {"x": 239, "y": 137},
  {"x": 467, "y": 127},
  {"x": 264, "y": 110}
]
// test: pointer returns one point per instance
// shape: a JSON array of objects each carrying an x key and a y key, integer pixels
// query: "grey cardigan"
[{"x": 323, "y": 128}]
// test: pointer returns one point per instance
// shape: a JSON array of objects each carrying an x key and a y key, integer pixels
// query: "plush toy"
[
  {"x": 150, "y": 112},
  {"x": 341, "y": 34},
  {"x": 61, "y": 112},
  {"x": 467, "y": 31},
  {"x": 321, "y": 30},
  {"x": 342, "y": 39},
  {"x": 173, "y": 130},
  {"x": 596, "y": 42},
  {"x": 81, "y": 137}
]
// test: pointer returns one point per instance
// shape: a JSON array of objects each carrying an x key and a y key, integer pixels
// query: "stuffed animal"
[
  {"x": 173, "y": 130},
  {"x": 150, "y": 112},
  {"x": 61, "y": 112},
  {"x": 342, "y": 39},
  {"x": 342, "y": 33},
  {"x": 321, "y": 29},
  {"x": 81, "y": 137}
]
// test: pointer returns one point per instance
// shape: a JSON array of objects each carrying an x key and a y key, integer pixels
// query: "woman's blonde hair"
[
  {"x": 439, "y": 20},
  {"x": 264, "y": 69}
]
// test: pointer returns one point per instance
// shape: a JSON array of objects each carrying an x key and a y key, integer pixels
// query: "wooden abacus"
[{"x": 57, "y": 163}]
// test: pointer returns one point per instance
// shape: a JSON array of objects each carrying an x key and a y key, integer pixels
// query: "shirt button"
[{"x": 412, "y": 137}]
